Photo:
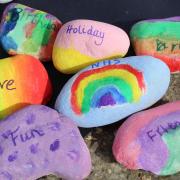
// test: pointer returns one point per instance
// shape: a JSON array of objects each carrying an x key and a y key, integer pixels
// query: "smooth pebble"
[
  {"x": 150, "y": 140},
  {"x": 83, "y": 42},
  {"x": 37, "y": 141},
  {"x": 159, "y": 38},
  {"x": 25, "y": 30},
  {"x": 111, "y": 90}
]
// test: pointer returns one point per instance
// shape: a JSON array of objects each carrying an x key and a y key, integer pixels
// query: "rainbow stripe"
[{"x": 106, "y": 86}]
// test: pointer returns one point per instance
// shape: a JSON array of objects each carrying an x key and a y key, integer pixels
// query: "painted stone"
[
  {"x": 83, "y": 42},
  {"x": 150, "y": 139},
  {"x": 111, "y": 90},
  {"x": 5, "y": 1},
  {"x": 159, "y": 38},
  {"x": 37, "y": 141},
  {"x": 23, "y": 81},
  {"x": 24, "y": 30}
]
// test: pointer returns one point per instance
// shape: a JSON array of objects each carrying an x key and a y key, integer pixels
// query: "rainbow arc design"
[{"x": 106, "y": 86}]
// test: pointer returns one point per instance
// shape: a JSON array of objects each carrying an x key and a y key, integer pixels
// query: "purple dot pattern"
[
  {"x": 12, "y": 157},
  {"x": 55, "y": 145},
  {"x": 36, "y": 140},
  {"x": 1, "y": 150},
  {"x": 73, "y": 155},
  {"x": 30, "y": 119},
  {"x": 34, "y": 148}
]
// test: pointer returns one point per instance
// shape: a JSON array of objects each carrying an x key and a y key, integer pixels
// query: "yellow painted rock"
[{"x": 83, "y": 42}]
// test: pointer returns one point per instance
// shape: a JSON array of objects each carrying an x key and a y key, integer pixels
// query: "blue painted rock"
[
  {"x": 110, "y": 90},
  {"x": 24, "y": 30},
  {"x": 149, "y": 140},
  {"x": 37, "y": 141}
]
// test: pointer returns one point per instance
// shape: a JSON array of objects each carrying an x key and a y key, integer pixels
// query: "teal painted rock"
[
  {"x": 5, "y": 1},
  {"x": 37, "y": 141},
  {"x": 111, "y": 90},
  {"x": 159, "y": 38},
  {"x": 24, "y": 30},
  {"x": 150, "y": 140}
]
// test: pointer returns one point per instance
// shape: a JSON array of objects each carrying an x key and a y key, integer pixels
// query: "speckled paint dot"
[
  {"x": 46, "y": 163},
  {"x": 30, "y": 119},
  {"x": 44, "y": 109},
  {"x": 6, "y": 134},
  {"x": 5, "y": 176},
  {"x": 1, "y": 151},
  {"x": 73, "y": 154},
  {"x": 73, "y": 133},
  {"x": 54, "y": 126},
  {"x": 30, "y": 166},
  {"x": 34, "y": 148},
  {"x": 55, "y": 145},
  {"x": 12, "y": 157}
]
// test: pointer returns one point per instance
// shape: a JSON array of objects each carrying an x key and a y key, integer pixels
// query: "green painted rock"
[
  {"x": 159, "y": 38},
  {"x": 24, "y": 30}
]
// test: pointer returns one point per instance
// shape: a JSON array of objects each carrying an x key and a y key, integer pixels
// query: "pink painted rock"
[
  {"x": 37, "y": 141},
  {"x": 83, "y": 42},
  {"x": 150, "y": 140}
]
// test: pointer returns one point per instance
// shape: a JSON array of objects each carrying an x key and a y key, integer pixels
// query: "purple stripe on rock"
[{"x": 154, "y": 152}]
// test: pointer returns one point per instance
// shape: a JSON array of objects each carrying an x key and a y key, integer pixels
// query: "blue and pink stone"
[{"x": 37, "y": 141}]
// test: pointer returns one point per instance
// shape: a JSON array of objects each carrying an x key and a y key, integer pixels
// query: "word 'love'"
[{"x": 7, "y": 84}]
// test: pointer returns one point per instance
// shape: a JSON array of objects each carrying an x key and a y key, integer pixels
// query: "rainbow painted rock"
[
  {"x": 159, "y": 38},
  {"x": 150, "y": 139},
  {"x": 24, "y": 30},
  {"x": 5, "y": 1},
  {"x": 37, "y": 141},
  {"x": 83, "y": 42},
  {"x": 23, "y": 81},
  {"x": 110, "y": 90}
]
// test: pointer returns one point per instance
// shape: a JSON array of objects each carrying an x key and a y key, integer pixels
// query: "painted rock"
[
  {"x": 110, "y": 90},
  {"x": 159, "y": 38},
  {"x": 37, "y": 141},
  {"x": 23, "y": 81},
  {"x": 149, "y": 140},
  {"x": 83, "y": 42},
  {"x": 5, "y": 1},
  {"x": 24, "y": 30}
]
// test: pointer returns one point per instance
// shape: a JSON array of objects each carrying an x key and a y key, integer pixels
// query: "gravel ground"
[{"x": 99, "y": 141}]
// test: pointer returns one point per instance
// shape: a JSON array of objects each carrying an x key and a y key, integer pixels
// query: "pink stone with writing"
[
  {"x": 149, "y": 140},
  {"x": 37, "y": 141},
  {"x": 83, "y": 42}
]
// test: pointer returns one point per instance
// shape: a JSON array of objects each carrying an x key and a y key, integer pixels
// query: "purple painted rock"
[
  {"x": 150, "y": 140},
  {"x": 37, "y": 141}
]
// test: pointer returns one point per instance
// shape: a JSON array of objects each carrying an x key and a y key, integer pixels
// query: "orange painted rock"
[
  {"x": 23, "y": 81},
  {"x": 159, "y": 38}
]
